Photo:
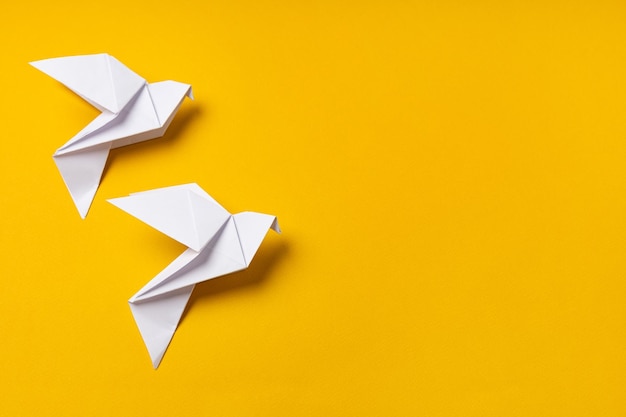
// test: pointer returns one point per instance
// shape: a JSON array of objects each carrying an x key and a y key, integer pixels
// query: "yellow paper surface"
[{"x": 450, "y": 180}]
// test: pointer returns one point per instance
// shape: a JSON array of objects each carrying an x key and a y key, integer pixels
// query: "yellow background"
[{"x": 450, "y": 179}]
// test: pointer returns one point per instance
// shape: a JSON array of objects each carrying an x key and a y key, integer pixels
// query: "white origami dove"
[
  {"x": 132, "y": 111},
  {"x": 219, "y": 243}
]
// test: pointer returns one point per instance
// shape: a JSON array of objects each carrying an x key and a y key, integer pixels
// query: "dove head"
[
  {"x": 252, "y": 228},
  {"x": 167, "y": 97}
]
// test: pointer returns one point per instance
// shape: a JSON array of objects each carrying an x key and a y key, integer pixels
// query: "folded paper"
[
  {"x": 218, "y": 242},
  {"x": 132, "y": 111}
]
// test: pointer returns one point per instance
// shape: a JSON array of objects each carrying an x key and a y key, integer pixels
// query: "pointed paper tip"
[
  {"x": 115, "y": 201},
  {"x": 275, "y": 227},
  {"x": 190, "y": 94},
  {"x": 83, "y": 208},
  {"x": 37, "y": 64},
  {"x": 83, "y": 202},
  {"x": 156, "y": 362}
]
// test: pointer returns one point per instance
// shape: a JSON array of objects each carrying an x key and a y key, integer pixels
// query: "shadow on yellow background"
[{"x": 450, "y": 180}]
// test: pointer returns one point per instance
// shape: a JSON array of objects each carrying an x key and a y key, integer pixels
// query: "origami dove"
[
  {"x": 132, "y": 111},
  {"x": 218, "y": 243}
]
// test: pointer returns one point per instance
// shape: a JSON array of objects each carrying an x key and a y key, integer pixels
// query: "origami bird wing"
[
  {"x": 100, "y": 79},
  {"x": 183, "y": 212}
]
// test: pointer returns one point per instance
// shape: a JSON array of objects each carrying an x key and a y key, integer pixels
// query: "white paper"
[
  {"x": 132, "y": 111},
  {"x": 219, "y": 243}
]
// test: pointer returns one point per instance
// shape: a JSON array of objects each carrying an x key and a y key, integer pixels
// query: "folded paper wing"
[
  {"x": 100, "y": 79},
  {"x": 132, "y": 111},
  {"x": 184, "y": 213},
  {"x": 227, "y": 243}
]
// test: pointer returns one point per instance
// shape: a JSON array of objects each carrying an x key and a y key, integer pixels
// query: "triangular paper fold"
[
  {"x": 157, "y": 320},
  {"x": 167, "y": 96},
  {"x": 126, "y": 83},
  {"x": 177, "y": 212},
  {"x": 92, "y": 77},
  {"x": 252, "y": 228},
  {"x": 81, "y": 173}
]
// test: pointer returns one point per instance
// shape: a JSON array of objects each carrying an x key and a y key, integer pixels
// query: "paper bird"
[
  {"x": 132, "y": 111},
  {"x": 218, "y": 243}
]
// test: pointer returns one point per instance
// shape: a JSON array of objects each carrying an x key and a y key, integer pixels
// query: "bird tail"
[
  {"x": 157, "y": 319},
  {"x": 81, "y": 172}
]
